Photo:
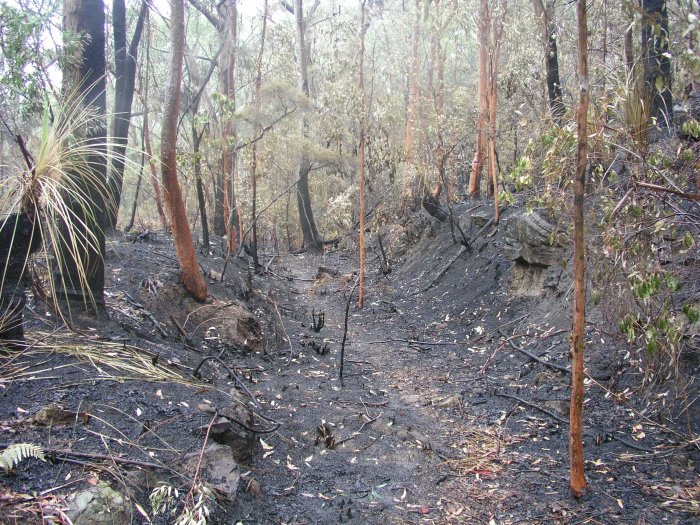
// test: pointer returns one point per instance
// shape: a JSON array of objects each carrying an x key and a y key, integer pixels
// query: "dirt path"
[{"x": 392, "y": 427}]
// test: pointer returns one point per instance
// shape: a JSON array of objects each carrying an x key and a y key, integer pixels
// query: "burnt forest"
[{"x": 315, "y": 262}]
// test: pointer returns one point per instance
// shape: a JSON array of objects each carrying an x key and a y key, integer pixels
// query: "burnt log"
[
  {"x": 19, "y": 238},
  {"x": 432, "y": 206}
]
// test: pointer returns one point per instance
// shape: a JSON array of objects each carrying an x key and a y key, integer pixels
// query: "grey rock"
[
  {"x": 532, "y": 239},
  {"x": 218, "y": 469},
  {"x": 99, "y": 505}
]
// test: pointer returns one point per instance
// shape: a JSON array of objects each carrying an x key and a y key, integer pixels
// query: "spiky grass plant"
[
  {"x": 636, "y": 107},
  {"x": 63, "y": 190}
]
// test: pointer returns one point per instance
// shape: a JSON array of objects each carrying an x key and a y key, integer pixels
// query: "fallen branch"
[
  {"x": 536, "y": 407},
  {"x": 566, "y": 422},
  {"x": 532, "y": 356},
  {"x": 656, "y": 187}
]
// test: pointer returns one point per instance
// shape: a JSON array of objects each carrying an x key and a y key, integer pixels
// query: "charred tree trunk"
[
  {"x": 19, "y": 237},
  {"x": 201, "y": 201},
  {"x": 312, "y": 239},
  {"x": 125, "y": 69},
  {"x": 182, "y": 236},
  {"x": 657, "y": 65},
  {"x": 545, "y": 11},
  {"x": 82, "y": 275}
]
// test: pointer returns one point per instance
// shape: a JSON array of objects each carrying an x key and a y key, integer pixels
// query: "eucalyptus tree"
[{"x": 182, "y": 236}]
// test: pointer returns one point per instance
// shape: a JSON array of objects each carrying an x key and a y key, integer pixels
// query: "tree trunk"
[
  {"x": 483, "y": 32},
  {"x": 139, "y": 180},
  {"x": 125, "y": 69},
  {"x": 152, "y": 166},
  {"x": 657, "y": 65},
  {"x": 234, "y": 228},
  {"x": 147, "y": 139},
  {"x": 494, "y": 57},
  {"x": 410, "y": 172},
  {"x": 363, "y": 124},
  {"x": 546, "y": 13},
  {"x": 258, "y": 127},
  {"x": 439, "y": 94},
  {"x": 579, "y": 486},
  {"x": 311, "y": 237},
  {"x": 82, "y": 275},
  {"x": 182, "y": 236},
  {"x": 201, "y": 201}
]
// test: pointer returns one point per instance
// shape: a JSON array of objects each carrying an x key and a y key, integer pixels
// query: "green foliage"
[
  {"x": 163, "y": 498},
  {"x": 195, "y": 510},
  {"x": 691, "y": 128},
  {"x": 16, "y": 453},
  {"x": 692, "y": 313}
]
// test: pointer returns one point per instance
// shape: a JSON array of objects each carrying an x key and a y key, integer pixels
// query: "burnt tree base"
[
  {"x": 432, "y": 206},
  {"x": 18, "y": 239}
]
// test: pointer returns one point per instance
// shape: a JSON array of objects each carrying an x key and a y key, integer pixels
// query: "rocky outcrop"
[{"x": 530, "y": 238}]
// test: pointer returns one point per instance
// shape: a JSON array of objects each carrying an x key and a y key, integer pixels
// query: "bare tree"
[
  {"x": 258, "y": 128},
  {"x": 312, "y": 239},
  {"x": 579, "y": 486},
  {"x": 182, "y": 236},
  {"x": 483, "y": 29},
  {"x": 363, "y": 132},
  {"x": 410, "y": 172}
]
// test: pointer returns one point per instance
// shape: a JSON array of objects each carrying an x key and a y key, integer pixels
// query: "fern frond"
[{"x": 14, "y": 454}]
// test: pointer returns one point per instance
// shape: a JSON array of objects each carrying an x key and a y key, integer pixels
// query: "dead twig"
[{"x": 345, "y": 332}]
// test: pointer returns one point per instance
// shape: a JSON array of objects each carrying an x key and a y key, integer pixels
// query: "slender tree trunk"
[
  {"x": 201, "y": 201},
  {"x": 439, "y": 94},
  {"x": 546, "y": 13},
  {"x": 311, "y": 237},
  {"x": 579, "y": 486},
  {"x": 125, "y": 67},
  {"x": 134, "y": 205},
  {"x": 258, "y": 127},
  {"x": 483, "y": 32},
  {"x": 657, "y": 65},
  {"x": 147, "y": 139},
  {"x": 234, "y": 226},
  {"x": 152, "y": 167},
  {"x": 363, "y": 132},
  {"x": 494, "y": 58},
  {"x": 410, "y": 172},
  {"x": 182, "y": 236},
  {"x": 82, "y": 278}
]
